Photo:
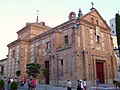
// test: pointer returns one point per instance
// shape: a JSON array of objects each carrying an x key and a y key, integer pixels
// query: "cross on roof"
[
  {"x": 92, "y": 4},
  {"x": 37, "y": 12},
  {"x": 37, "y": 15}
]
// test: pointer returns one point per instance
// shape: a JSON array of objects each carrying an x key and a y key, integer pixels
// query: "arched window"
[
  {"x": 92, "y": 20},
  {"x": 97, "y": 22}
]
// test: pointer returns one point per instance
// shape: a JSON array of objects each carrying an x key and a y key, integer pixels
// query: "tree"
[
  {"x": 13, "y": 85},
  {"x": 117, "y": 21},
  {"x": 45, "y": 72},
  {"x": 2, "y": 84},
  {"x": 33, "y": 69},
  {"x": 18, "y": 73}
]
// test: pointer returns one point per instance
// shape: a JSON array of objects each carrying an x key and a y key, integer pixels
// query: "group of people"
[
  {"x": 8, "y": 82},
  {"x": 81, "y": 85},
  {"x": 31, "y": 83}
]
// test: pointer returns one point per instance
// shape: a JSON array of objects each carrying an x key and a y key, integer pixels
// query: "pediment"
[{"x": 94, "y": 17}]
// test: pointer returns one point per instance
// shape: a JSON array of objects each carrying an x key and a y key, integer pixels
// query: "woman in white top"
[
  {"x": 84, "y": 84},
  {"x": 69, "y": 84},
  {"x": 81, "y": 84}
]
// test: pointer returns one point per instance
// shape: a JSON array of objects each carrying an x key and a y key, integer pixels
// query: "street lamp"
[{"x": 117, "y": 52}]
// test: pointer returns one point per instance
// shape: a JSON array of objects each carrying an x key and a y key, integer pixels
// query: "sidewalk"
[
  {"x": 45, "y": 87},
  {"x": 104, "y": 87},
  {"x": 49, "y": 87}
]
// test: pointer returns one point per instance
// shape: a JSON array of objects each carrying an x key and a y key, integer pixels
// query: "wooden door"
[
  {"x": 100, "y": 72},
  {"x": 47, "y": 76}
]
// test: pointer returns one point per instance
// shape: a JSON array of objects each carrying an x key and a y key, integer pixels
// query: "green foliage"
[
  {"x": 45, "y": 71},
  {"x": 33, "y": 69},
  {"x": 14, "y": 86},
  {"x": 118, "y": 84},
  {"x": 2, "y": 83},
  {"x": 117, "y": 21},
  {"x": 18, "y": 73}
]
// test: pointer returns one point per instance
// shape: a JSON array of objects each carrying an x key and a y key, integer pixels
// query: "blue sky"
[{"x": 14, "y": 14}]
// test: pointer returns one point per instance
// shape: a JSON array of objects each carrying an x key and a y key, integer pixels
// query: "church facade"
[{"x": 80, "y": 48}]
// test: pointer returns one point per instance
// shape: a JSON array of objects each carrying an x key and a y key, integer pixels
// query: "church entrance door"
[
  {"x": 100, "y": 72},
  {"x": 47, "y": 76}
]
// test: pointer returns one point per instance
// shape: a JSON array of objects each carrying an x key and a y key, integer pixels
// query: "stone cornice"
[
  {"x": 16, "y": 42},
  {"x": 33, "y": 25},
  {"x": 2, "y": 60}
]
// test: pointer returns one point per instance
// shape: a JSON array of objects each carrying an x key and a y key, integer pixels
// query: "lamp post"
[{"x": 117, "y": 52}]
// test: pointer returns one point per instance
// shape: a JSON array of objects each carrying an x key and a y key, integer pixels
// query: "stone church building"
[{"x": 80, "y": 48}]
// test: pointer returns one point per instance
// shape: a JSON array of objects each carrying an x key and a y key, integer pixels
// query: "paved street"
[
  {"x": 45, "y": 87},
  {"x": 104, "y": 87},
  {"x": 49, "y": 87}
]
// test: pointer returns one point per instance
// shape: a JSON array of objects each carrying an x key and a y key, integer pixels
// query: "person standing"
[
  {"x": 30, "y": 84},
  {"x": 97, "y": 82},
  {"x": 24, "y": 80},
  {"x": 78, "y": 85},
  {"x": 33, "y": 84},
  {"x": 4, "y": 79},
  {"x": 84, "y": 84},
  {"x": 8, "y": 84},
  {"x": 69, "y": 84},
  {"x": 11, "y": 79},
  {"x": 81, "y": 84},
  {"x": 16, "y": 80}
]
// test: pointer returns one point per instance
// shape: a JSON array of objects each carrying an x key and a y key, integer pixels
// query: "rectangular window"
[
  {"x": 97, "y": 38},
  {"x": 13, "y": 53},
  {"x": 66, "y": 39},
  {"x": 48, "y": 45},
  {"x": 61, "y": 61},
  {"x": 98, "y": 34}
]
